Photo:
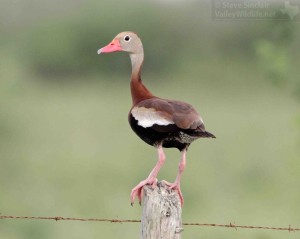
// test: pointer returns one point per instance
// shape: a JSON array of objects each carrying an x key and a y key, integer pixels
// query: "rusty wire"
[{"x": 230, "y": 225}]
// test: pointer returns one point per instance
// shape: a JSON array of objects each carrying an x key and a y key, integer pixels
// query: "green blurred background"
[{"x": 66, "y": 147}]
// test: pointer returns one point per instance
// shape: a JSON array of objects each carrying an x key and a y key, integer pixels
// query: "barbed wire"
[{"x": 230, "y": 225}]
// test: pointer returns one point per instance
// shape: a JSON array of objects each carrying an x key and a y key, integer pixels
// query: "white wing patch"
[{"x": 147, "y": 117}]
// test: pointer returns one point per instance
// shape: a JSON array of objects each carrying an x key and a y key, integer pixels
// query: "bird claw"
[
  {"x": 137, "y": 190},
  {"x": 154, "y": 183},
  {"x": 176, "y": 187}
]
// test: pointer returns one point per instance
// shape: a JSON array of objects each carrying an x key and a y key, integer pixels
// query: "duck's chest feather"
[
  {"x": 169, "y": 135},
  {"x": 158, "y": 121}
]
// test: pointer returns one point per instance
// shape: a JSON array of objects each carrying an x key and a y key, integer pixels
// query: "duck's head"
[{"x": 124, "y": 41}]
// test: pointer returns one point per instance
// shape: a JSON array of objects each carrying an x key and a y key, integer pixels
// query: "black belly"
[{"x": 169, "y": 136}]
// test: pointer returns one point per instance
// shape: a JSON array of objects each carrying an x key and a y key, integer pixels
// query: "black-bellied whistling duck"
[{"x": 158, "y": 122}]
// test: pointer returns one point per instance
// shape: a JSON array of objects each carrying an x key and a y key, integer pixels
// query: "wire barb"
[{"x": 230, "y": 225}]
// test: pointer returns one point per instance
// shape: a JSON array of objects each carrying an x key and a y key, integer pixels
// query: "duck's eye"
[{"x": 127, "y": 38}]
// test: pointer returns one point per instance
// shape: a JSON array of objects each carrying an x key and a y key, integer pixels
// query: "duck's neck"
[
  {"x": 139, "y": 91},
  {"x": 136, "y": 64}
]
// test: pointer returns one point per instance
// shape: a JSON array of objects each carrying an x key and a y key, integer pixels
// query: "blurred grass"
[{"x": 67, "y": 149}]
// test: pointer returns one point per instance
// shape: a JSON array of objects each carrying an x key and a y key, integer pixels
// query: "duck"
[{"x": 159, "y": 122}]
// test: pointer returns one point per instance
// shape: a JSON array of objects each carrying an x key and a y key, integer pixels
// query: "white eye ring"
[{"x": 127, "y": 38}]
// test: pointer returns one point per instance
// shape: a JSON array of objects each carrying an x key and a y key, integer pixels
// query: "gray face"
[{"x": 130, "y": 42}]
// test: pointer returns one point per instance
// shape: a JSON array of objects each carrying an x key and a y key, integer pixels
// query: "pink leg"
[
  {"x": 137, "y": 190},
  {"x": 176, "y": 184}
]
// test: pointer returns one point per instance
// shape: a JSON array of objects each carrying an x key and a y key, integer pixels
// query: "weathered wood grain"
[{"x": 161, "y": 214}]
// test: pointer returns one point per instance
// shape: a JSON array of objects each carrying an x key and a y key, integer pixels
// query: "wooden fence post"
[{"x": 161, "y": 215}]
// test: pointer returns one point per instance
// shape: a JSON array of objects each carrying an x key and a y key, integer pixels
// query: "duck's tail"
[{"x": 206, "y": 134}]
